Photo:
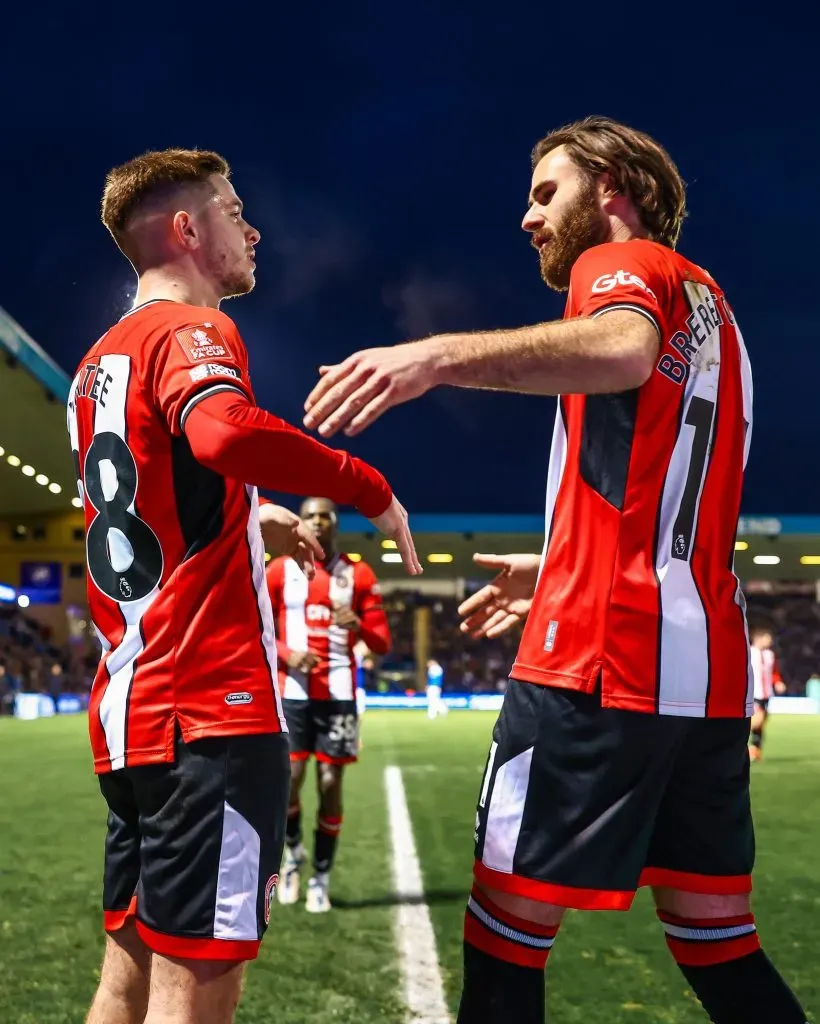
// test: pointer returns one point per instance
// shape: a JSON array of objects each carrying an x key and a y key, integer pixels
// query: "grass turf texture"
[{"x": 341, "y": 967}]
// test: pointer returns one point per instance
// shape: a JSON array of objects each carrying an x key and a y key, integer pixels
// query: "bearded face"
[{"x": 581, "y": 226}]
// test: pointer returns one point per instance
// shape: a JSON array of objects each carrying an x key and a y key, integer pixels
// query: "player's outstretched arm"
[
  {"x": 232, "y": 436},
  {"x": 506, "y": 600},
  {"x": 589, "y": 355}
]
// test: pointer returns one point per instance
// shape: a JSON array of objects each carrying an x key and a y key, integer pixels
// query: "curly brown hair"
[
  {"x": 149, "y": 177},
  {"x": 639, "y": 166}
]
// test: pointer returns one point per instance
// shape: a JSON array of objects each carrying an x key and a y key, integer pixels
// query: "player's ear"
[
  {"x": 184, "y": 230},
  {"x": 608, "y": 185}
]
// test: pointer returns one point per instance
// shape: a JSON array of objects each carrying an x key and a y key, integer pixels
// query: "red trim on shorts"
[
  {"x": 686, "y": 881},
  {"x": 300, "y": 755},
  {"x": 708, "y": 954},
  {"x": 113, "y": 920},
  {"x": 503, "y": 949},
  {"x": 547, "y": 892},
  {"x": 197, "y": 949},
  {"x": 327, "y": 759}
]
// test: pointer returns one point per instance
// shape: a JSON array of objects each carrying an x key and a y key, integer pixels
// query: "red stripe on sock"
[
  {"x": 708, "y": 954},
  {"x": 330, "y": 826},
  {"x": 520, "y": 924},
  {"x": 497, "y": 946}
]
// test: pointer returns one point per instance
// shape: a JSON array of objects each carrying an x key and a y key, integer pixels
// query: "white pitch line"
[{"x": 416, "y": 941}]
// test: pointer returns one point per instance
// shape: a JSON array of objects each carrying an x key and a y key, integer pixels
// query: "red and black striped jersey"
[
  {"x": 637, "y": 590},
  {"x": 176, "y": 570}
]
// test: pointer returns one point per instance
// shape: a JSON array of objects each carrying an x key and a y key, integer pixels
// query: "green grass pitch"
[{"x": 339, "y": 968}]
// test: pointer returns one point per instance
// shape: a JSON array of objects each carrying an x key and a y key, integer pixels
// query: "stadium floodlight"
[
  {"x": 810, "y": 559},
  {"x": 28, "y": 471},
  {"x": 354, "y": 556},
  {"x": 391, "y": 556},
  {"x": 766, "y": 559},
  {"x": 23, "y": 600},
  {"x": 2, "y": 451},
  {"x": 41, "y": 479},
  {"x": 389, "y": 545},
  {"x": 55, "y": 488},
  {"x": 268, "y": 557},
  {"x": 741, "y": 545},
  {"x": 76, "y": 502},
  {"x": 13, "y": 461},
  {"x": 440, "y": 558}
]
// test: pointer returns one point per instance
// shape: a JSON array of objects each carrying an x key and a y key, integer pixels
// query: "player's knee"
[
  {"x": 693, "y": 905},
  {"x": 521, "y": 906},
  {"x": 297, "y": 777},
  {"x": 330, "y": 778}
]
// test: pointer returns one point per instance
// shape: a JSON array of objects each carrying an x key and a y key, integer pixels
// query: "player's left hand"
[
  {"x": 347, "y": 619},
  {"x": 353, "y": 394},
  {"x": 284, "y": 533},
  {"x": 780, "y": 687}
]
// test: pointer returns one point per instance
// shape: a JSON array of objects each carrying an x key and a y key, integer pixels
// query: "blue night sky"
[{"x": 383, "y": 151}]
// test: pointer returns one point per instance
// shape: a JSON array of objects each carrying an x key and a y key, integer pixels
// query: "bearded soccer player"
[
  {"x": 767, "y": 682},
  {"x": 318, "y": 624},
  {"x": 619, "y": 758},
  {"x": 186, "y": 722}
]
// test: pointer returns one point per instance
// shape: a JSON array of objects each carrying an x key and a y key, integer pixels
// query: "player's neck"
[
  {"x": 167, "y": 283},
  {"x": 330, "y": 553}
]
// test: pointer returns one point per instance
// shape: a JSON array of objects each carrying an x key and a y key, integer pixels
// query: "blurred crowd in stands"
[{"x": 30, "y": 662}]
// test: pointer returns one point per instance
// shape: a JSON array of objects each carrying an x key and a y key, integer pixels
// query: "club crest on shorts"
[{"x": 270, "y": 892}]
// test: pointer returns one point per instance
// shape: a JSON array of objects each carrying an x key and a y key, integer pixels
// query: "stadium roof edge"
[
  {"x": 19, "y": 344},
  {"x": 750, "y": 525}
]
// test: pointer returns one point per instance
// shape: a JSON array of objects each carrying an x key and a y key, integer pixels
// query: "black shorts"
[
  {"x": 194, "y": 846},
  {"x": 580, "y": 805},
  {"x": 328, "y": 729},
  {"x": 763, "y": 704}
]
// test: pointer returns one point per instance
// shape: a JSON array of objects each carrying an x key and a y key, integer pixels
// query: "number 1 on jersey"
[{"x": 699, "y": 415}]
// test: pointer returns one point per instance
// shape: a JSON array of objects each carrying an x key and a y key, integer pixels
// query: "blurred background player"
[
  {"x": 318, "y": 625},
  {"x": 767, "y": 682},
  {"x": 435, "y": 676},
  {"x": 364, "y": 665}
]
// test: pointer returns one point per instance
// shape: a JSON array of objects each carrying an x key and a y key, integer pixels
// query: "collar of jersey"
[{"x": 143, "y": 305}]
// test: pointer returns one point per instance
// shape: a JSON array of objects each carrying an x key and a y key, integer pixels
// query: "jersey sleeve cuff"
[{"x": 198, "y": 396}]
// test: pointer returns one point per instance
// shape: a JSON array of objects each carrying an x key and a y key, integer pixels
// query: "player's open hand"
[
  {"x": 504, "y": 602},
  {"x": 394, "y": 524},
  {"x": 284, "y": 533},
  {"x": 354, "y": 393}
]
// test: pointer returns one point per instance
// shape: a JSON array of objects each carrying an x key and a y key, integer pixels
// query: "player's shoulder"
[
  {"x": 360, "y": 567},
  {"x": 614, "y": 256}
]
